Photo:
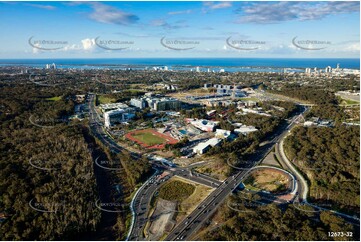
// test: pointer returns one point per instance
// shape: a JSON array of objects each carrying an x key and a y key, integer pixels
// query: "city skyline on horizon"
[{"x": 93, "y": 30}]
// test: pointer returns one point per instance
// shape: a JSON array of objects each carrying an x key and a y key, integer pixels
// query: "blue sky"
[{"x": 189, "y": 29}]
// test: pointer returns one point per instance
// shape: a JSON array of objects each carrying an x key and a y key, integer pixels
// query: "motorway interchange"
[{"x": 222, "y": 189}]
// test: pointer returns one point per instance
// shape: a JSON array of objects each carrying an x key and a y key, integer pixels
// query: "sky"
[{"x": 173, "y": 29}]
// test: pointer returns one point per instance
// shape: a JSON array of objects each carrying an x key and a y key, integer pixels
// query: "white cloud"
[
  {"x": 353, "y": 47},
  {"x": 218, "y": 5},
  {"x": 275, "y": 12},
  {"x": 71, "y": 47},
  {"x": 88, "y": 44},
  {"x": 36, "y": 50}
]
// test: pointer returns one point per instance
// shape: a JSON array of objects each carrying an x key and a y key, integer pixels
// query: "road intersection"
[{"x": 222, "y": 189}]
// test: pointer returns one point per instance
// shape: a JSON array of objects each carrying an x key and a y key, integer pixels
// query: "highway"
[
  {"x": 303, "y": 185},
  {"x": 187, "y": 227},
  {"x": 146, "y": 192},
  {"x": 192, "y": 223},
  {"x": 98, "y": 131},
  {"x": 143, "y": 196}
]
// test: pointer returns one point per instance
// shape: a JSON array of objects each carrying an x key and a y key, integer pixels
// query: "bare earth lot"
[
  {"x": 162, "y": 219},
  {"x": 168, "y": 213},
  {"x": 270, "y": 180}
]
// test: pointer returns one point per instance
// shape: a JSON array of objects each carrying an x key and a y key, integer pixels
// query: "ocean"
[{"x": 228, "y": 64}]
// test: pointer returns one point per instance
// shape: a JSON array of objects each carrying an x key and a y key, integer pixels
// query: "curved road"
[
  {"x": 141, "y": 200},
  {"x": 303, "y": 188},
  {"x": 205, "y": 209}
]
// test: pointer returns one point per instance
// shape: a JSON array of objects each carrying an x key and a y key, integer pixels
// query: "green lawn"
[
  {"x": 176, "y": 190},
  {"x": 53, "y": 98},
  {"x": 149, "y": 138},
  {"x": 249, "y": 99},
  {"x": 349, "y": 102},
  {"x": 104, "y": 99}
]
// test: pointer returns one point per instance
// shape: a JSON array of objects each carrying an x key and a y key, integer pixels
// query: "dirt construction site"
[{"x": 162, "y": 219}]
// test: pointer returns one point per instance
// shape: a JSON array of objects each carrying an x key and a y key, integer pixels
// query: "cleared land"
[
  {"x": 162, "y": 219},
  {"x": 268, "y": 179},
  {"x": 271, "y": 160},
  {"x": 282, "y": 97},
  {"x": 185, "y": 197},
  {"x": 350, "y": 99},
  {"x": 193, "y": 92}
]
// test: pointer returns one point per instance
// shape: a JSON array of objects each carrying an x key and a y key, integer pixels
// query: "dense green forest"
[
  {"x": 330, "y": 157},
  {"x": 49, "y": 184},
  {"x": 270, "y": 222},
  {"x": 48, "y": 169},
  {"x": 327, "y": 104},
  {"x": 68, "y": 187}
]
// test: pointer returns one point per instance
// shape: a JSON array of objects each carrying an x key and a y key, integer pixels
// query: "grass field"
[
  {"x": 189, "y": 204},
  {"x": 175, "y": 190},
  {"x": 267, "y": 179},
  {"x": 149, "y": 138},
  {"x": 104, "y": 99},
  {"x": 249, "y": 99},
  {"x": 53, "y": 98},
  {"x": 349, "y": 102}
]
